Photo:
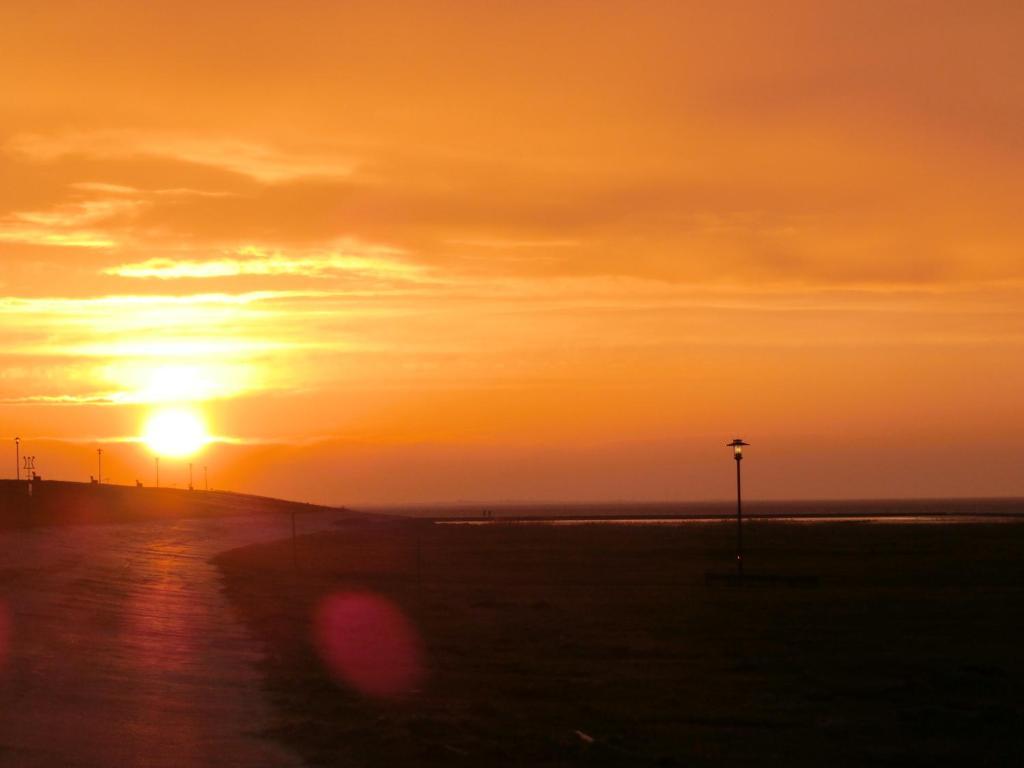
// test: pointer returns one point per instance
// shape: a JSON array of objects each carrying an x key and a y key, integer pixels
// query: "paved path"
[{"x": 120, "y": 648}]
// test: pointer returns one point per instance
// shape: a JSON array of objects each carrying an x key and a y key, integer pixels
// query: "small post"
[
  {"x": 295, "y": 552},
  {"x": 157, "y": 460},
  {"x": 419, "y": 561},
  {"x": 99, "y": 466},
  {"x": 737, "y": 446},
  {"x": 17, "y": 457},
  {"x": 206, "y": 478},
  {"x": 190, "y": 476}
]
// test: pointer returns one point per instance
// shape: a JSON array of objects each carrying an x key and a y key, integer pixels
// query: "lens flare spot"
[{"x": 368, "y": 644}]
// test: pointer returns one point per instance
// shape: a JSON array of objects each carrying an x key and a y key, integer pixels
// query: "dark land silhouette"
[
  {"x": 602, "y": 644},
  {"x": 166, "y": 626},
  {"x": 56, "y": 502}
]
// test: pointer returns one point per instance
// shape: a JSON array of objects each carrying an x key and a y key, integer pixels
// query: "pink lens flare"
[{"x": 368, "y": 644}]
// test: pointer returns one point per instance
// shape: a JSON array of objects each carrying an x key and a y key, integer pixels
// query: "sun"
[{"x": 175, "y": 433}]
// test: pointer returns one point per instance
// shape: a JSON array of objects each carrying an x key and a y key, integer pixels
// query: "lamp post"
[
  {"x": 99, "y": 466},
  {"x": 190, "y": 477},
  {"x": 206, "y": 478},
  {"x": 157, "y": 460},
  {"x": 737, "y": 449},
  {"x": 17, "y": 457}
]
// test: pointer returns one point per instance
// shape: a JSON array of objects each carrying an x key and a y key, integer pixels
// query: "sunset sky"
[{"x": 429, "y": 251}]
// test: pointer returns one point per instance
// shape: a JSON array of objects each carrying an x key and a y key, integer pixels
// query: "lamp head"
[{"x": 737, "y": 448}]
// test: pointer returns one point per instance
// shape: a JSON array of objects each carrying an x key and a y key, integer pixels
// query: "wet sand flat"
[{"x": 601, "y": 644}]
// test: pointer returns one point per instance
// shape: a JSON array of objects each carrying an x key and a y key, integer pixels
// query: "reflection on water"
[
  {"x": 678, "y": 513},
  {"x": 802, "y": 520}
]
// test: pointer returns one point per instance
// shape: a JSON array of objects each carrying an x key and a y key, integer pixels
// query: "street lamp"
[
  {"x": 99, "y": 466},
  {"x": 737, "y": 449},
  {"x": 17, "y": 457}
]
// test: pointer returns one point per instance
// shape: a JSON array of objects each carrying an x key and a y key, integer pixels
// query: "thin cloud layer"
[
  {"x": 377, "y": 261},
  {"x": 259, "y": 162}
]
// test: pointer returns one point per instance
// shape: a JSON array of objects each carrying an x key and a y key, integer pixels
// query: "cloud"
[
  {"x": 33, "y": 235},
  {"x": 95, "y": 399},
  {"x": 353, "y": 258},
  {"x": 261, "y": 162},
  {"x": 203, "y": 326},
  {"x": 135, "y": 349},
  {"x": 79, "y": 223},
  {"x": 101, "y": 305},
  {"x": 500, "y": 244}
]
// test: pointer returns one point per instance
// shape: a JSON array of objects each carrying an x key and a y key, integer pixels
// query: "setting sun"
[{"x": 175, "y": 433}]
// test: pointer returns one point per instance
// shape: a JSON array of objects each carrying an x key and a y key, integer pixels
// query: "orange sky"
[{"x": 428, "y": 251}]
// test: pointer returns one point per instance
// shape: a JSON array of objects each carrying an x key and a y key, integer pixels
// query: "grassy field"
[{"x": 601, "y": 645}]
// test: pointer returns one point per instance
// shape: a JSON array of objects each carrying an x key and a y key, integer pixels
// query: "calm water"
[
  {"x": 883, "y": 511},
  {"x": 675, "y": 521}
]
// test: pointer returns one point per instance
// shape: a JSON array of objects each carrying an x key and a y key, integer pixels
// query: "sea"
[{"x": 932, "y": 511}]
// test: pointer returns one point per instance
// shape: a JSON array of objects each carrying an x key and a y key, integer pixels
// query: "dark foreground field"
[{"x": 602, "y": 645}]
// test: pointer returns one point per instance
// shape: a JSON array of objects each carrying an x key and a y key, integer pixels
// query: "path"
[{"x": 121, "y": 649}]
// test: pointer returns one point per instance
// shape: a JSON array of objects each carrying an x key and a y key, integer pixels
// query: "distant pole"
[
  {"x": 17, "y": 457},
  {"x": 190, "y": 476},
  {"x": 295, "y": 553},
  {"x": 737, "y": 446},
  {"x": 99, "y": 466},
  {"x": 739, "y": 519},
  {"x": 206, "y": 478},
  {"x": 419, "y": 563},
  {"x": 157, "y": 459}
]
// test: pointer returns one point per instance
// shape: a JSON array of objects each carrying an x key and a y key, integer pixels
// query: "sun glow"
[{"x": 175, "y": 433}]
